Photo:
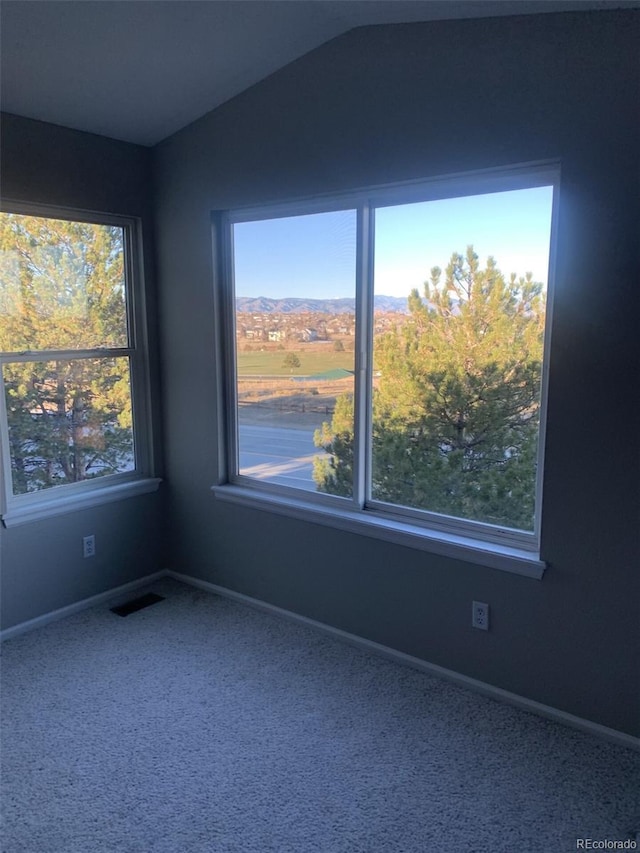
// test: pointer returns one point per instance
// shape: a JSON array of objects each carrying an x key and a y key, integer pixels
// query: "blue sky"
[{"x": 313, "y": 256}]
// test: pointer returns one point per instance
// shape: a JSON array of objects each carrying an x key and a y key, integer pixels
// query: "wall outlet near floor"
[
  {"x": 89, "y": 546},
  {"x": 480, "y": 615}
]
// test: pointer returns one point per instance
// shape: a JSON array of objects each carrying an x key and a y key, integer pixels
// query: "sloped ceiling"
[{"x": 139, "y": 70}]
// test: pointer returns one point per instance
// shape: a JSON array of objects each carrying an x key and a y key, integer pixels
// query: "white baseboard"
[
  {"x": 522, "y": 702},
  {"x": 77, "y": 606}
]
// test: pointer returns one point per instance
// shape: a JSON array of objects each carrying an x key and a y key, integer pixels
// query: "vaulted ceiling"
[{"x": 140, "y": 70}]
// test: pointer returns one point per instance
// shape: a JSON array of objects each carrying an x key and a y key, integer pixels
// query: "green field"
[{"x": 311, "y": 362}]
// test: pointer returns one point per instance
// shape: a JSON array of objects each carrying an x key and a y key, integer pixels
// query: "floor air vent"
[{"x": 137, "y": 604}]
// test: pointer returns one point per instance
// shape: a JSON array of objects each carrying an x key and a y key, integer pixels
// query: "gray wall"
[
  {"x": 400, "y": 102},
  {"x": 42, "y": 567}
]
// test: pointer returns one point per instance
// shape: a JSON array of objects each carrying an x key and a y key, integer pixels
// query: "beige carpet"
[{"x": 198, "y": 724}]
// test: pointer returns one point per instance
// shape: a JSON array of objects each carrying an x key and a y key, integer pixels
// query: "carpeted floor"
[{"x": 198, "y": 725}]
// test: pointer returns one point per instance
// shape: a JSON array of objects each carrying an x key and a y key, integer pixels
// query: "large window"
[
  {"x": 73, "y": 378},
  {"x": 387, "y": 360}
]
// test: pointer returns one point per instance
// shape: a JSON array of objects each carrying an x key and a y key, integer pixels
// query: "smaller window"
[{"x": 73, "y": 416}]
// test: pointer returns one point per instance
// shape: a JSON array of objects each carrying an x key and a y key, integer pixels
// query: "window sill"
[
  {"x": 508, "y": 559},
  {"x": 36, "y": 510}
]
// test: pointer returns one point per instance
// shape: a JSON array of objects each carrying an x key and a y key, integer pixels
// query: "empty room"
[{"x": 319, "y": 426}]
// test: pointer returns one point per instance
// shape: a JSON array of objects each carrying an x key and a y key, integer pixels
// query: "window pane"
[
  {"x": 295, "y": 334},
  {"x": 68, "y": 421},
  {"x": 62, "y": 285},
  {"x": 458, "y": 354}
]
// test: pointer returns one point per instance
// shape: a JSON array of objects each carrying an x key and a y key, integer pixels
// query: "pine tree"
[
  {"x": 334, "y": 473},
  {"x": 456, "y": 407}
]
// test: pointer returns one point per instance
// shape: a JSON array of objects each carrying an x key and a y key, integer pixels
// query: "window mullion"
[
  {"x": 5, "y": 470},
  {"x": 130, "y": 262},
  {"x": 66, "y": 355},
  {"x": 229, "y": 423},
  {"x": 363, "y": 347}
]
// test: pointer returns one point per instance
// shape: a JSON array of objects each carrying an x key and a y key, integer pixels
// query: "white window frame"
[
  {"x": 477, "y": 542},
  {"x": 69, "y": 497}
]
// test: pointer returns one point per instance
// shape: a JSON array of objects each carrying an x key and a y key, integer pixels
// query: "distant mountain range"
[{"x": 264, "y": 305}]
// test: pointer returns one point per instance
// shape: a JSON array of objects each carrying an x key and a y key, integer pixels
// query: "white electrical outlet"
[
  {"x": 480, "y": 615},
  {"x": 89, "y": 546}
]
